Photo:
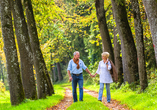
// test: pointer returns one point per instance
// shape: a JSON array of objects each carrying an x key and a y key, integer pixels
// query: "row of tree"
[
  {"x": 122, "y": 24},
  {"x": 30, "y": 53},
  {"x": 64, "y": 26},
  {"x": 123, "y": 31},
  {"x": 133, "y": 57}
]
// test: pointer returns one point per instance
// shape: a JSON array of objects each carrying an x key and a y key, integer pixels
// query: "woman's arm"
[{"x": 98, "y": 70}]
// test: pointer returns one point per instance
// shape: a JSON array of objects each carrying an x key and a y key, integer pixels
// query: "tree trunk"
[
  {"x": 25, "y": 50},
  {"x": 13, "y": 71},
  {"x": 51, "y": 69},
  {"x": 140, "y": 45},
  {"x": 2, "y": 73},
  {"x": 106, "y": 41},
  {"x": 54, "y": 73},
  {"x": 129, "y": 54},
  {"x": 39, "y": 63},
  {"x": 59, "y": 72},
  {"x": 117, "y": 58},
  {"x": 2, "y": 76},
  {"x": 151, "y": 11}
]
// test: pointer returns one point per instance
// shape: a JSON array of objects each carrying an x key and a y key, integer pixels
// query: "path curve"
[
  {"x": 114, "y": 105},
  {"x": 65, "y": 103}
]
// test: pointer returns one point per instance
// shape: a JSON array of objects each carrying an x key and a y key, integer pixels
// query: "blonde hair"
[{"x": 105, "y": 54}]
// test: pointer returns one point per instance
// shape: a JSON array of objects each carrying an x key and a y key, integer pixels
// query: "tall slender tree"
[
  {"x": 140, "y": 44},
  {"x": 117, "y": 57},
  {"x": 39, "y": 63},
  {"x": 25, "y": 50},
  {"x": 101, "y": 16},
  {"x": 60, "y": 77},
  {"x": 151, "y": 11},
  {"x": 13, "y": 71},
  {"x": 1, "y": 74},
  {"x": 129, "y": 53}
]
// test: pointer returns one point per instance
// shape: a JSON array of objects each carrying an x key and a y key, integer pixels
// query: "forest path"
[
  {"x": 113, "y": 105},
  {"x": 68, "y": 100},
  {"x": 65, "y": 103}
]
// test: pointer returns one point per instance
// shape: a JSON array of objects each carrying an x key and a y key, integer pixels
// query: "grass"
[
  {"x": 134, "y": 100},
  {"x": 143, "y": 101},
  {"x": 88, "y": 103},
  {"x": 33, "y": 104}
]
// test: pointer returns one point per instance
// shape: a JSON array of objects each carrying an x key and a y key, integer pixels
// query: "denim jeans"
[
  {"x": 107, "y": 91},
  {"x": 79, "y": 80}
]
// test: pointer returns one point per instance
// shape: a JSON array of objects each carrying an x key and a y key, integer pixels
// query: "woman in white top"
[{"x": 105, "y": 76}]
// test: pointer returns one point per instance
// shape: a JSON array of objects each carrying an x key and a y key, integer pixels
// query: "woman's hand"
[{"x": 94, "y": 74}]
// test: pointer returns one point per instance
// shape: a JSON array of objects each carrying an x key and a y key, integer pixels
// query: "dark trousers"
[{"x": 79, "y": 80}]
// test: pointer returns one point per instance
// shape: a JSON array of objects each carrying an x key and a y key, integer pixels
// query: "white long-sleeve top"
[{"x": 104, "y": 72}]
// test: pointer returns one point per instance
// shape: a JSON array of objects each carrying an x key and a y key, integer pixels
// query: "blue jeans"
[
  {"x": 107, "y": 91},
  {"x": 79, "y": 80}
]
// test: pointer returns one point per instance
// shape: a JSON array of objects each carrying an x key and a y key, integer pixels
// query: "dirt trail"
[
  {"x": 113, "y": 105},
  {"x": 65, "y": 103},
  {"x": 68, "y": 100}
]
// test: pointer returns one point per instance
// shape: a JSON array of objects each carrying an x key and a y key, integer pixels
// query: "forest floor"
[{"x": 67, "y": 101}]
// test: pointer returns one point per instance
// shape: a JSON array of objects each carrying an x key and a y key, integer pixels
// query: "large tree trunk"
[
  {"x": 100, "y": 11},
  {"x": 118, "y": 58},
  {"x": 59, "y": 72},
  {"x": 25, "y": 50},
  {"x": 13, "y": 71},
  {"x": 129, "y": 54},
  {"x": 140, "y": 44},
  {"x": 151, "y": 11},
  {"x": 39, "y": 63}
]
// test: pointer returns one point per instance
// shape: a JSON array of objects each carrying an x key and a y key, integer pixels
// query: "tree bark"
[
  {"x": 25, "y": 50},
  {"x": 54, "y": 73},
  {"x": 140, "y": 44},
  {"x": 129, "y": 54},
  {"x": 39, "y": 63},
  {"x": 106, "y": 41},
  {"x": 13, "y": 71},
  {"x": 59, "y": 72},
  {"x": 151, "y": 11},
  {"x": 117, "y": 58}
]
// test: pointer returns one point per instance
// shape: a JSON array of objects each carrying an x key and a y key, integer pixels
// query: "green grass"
[
  {"x": 33, "y": 104},
  {"x": 88, "y": 103},
  {"x": 134, "y": 100}
]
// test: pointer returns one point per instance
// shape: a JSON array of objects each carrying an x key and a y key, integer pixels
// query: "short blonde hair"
[{"x": 105, "y": 54}]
